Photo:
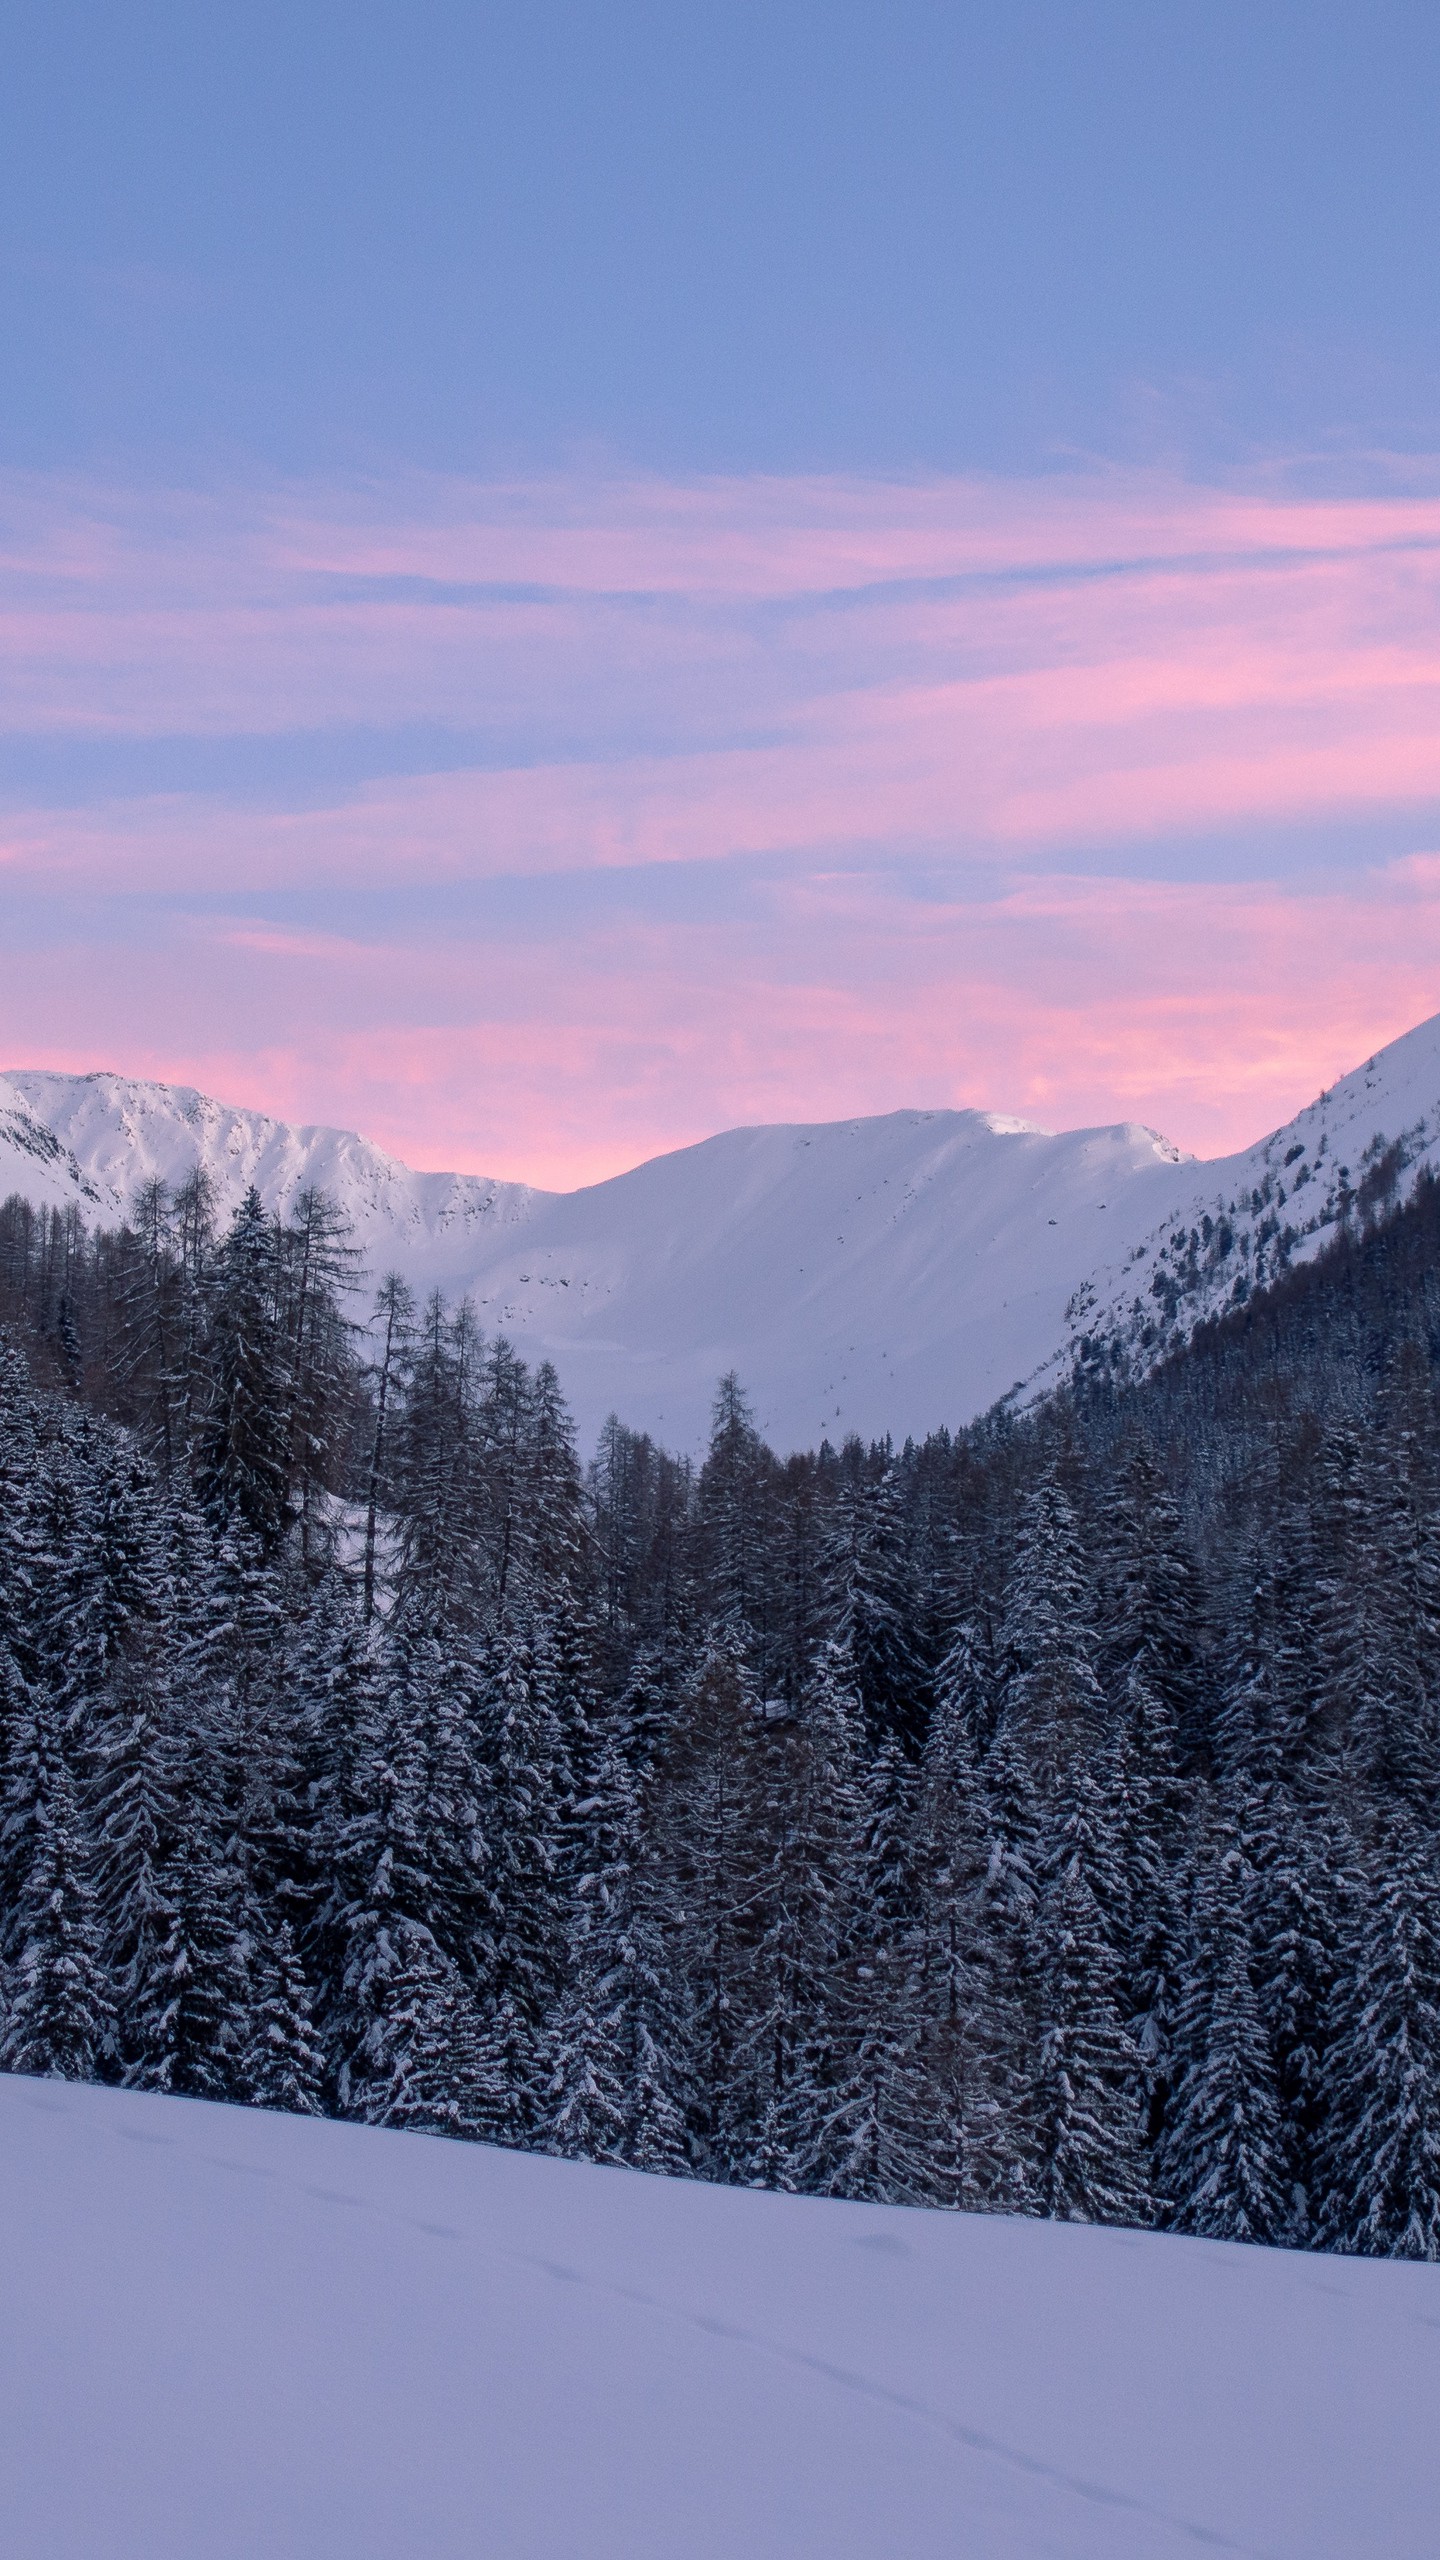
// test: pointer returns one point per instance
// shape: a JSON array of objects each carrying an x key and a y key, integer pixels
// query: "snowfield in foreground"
[{"x": 232, "y": 2336}]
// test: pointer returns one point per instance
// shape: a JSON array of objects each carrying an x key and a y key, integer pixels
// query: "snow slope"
[
  {"x": 96, "y": 1140},
  {"x": 872, "y": 1275},
  {"x": 229, "y": 2335},
  {"x": 1234, "y": 1224}
]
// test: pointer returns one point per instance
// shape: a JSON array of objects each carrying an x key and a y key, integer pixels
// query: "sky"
[{"x": 575, "y": 576}]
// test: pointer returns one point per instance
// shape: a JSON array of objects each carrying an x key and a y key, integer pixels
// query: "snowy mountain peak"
[
  {"x": 112, "y": 1134},
  {"x": 884, "y": 1274}
]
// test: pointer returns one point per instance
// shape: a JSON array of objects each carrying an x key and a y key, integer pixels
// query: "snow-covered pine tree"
[
  {"x": 148, "y": 1324},
  {"x": 434, "y": 1461},
  {"x": 732, "y": 1501},
  {"x": 416, "y": 2064},
  {"x": 639, "y": 1504},
  {"x": 876, "y": 1617},
  {"x": 507, "y": 2089},
  {"x": 1351, "y": 1710},
  {"x": 241, "y": 1662},
  {"x": 21, "y": 1544},
  {"x": 875, "y": 2134},
  {"x": 1013, "y": 1817},
  {"x": 282, "y": 2065},
  {"x": 968, "y": 1687},
  {"x": 58, "y": 2022},
  {"x": 1054, "y": 1707},
  {"x": 141, "y": 1789},
  {"x": 797, "y": 1903},
  {"x": 1382, "y": 2143},
  {"x": 401, "y": 1843},
  {"x": 1087, "y": 2105},
  {"x": 114, "y": 1592},
  {"x": 704, "y": 1827},
  {"x": 1405, "y": 1476},
  {"x": 1153, "y": 1605},
  {"x": 242, "y": 1448},
  {"x": 1222, "y": 2165},
  {"x": 590, "y": 2036},
  {"x": 973, "y": 2013},
  {"x": 190, "y": 2020},
  {"x": 1299, "y": 1857},
  {"x": 1268, "y": 1677},
  {"x": 525, "y": 1886}
]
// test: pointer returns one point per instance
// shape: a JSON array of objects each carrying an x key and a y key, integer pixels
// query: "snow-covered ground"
[
  {"x": 874, "y": 1275},
  {"x": 232, "y": 2336}
]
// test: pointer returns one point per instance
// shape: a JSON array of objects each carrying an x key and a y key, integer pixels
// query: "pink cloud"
[
  {"x": 1211, "y": 1012},
  {"x": 880, "y": 686}
]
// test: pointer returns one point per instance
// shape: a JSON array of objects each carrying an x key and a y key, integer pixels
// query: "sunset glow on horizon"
[
  {"x": 572, "y": 578},
  {"x": 537, "y": 827}
]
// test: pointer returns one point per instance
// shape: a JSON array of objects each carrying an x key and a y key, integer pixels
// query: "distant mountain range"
[{"x": 873, "y": 1275}]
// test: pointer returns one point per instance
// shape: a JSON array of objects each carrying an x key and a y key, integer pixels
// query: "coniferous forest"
[{"x": 1042, "y": 1819}]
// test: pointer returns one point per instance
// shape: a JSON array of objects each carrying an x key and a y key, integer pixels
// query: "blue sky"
[
  {"x": 639, "y": 503},
  {"x": 745, "y": 238}
]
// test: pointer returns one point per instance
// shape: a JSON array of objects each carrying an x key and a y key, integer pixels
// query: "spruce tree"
[
  {"x": 1053, "y": 1706},
  {"x": 1088, "y": 2127},
  {"x": 190, "y": 2018},
  {"x": 969, "y": 1990},
  {"x": 58, "y": 2020},
  {"x": 1299, "y": 1861},
  {"x": 142, "y": 1795},
  {"x": 1153, "y": 1608},
  {"x": 588, "y": 2099},
  {"x": 1382, "y": 2146},
  {"x": 875, "y": 2134},
  {"x": 876, "y": 1618},
  {"x": 243, "y": 1456},
  {"x": 796, "y": 1900},
  {"x": 525, "y": 1816},
  {"x": 415, "y": 2065},
  {"x": 399, "y": 1841},
  {"x": 705, "y": 1823},
  {"x": 282, "y": 2065},
  {"x": 1222, "y": 2164}
]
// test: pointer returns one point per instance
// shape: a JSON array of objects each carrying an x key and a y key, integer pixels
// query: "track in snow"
[{"x": 233, "y": 2336}]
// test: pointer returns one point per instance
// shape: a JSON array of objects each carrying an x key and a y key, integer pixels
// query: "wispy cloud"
[{"x": 618, "y": 810}]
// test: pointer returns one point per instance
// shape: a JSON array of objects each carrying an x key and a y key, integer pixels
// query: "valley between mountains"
[{"x": 871, "y": 1276}]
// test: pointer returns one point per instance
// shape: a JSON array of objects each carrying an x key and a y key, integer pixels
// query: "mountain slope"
[
  {"x": 875, "y": 1275},
  {"x": 1234, "y": 1225},
  {"x": 95, "y": 1140},
  {"x": 229, "y": 2334}
]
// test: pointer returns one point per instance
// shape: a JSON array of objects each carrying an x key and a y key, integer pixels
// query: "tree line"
[{"x": 1042, "y": 1818}]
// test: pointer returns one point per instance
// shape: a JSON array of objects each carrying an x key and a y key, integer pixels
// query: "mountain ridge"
[{"x": 883, "y": 1274}]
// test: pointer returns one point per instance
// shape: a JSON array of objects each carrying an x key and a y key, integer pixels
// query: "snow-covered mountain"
[
  {"x": 96, "y": 1140},
  {"x": 1238, "y": 1222},
  {"x": 873, "y": 1275},
  {"x": 230, "y": 2334}
]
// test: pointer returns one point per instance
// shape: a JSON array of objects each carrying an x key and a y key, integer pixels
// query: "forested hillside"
[{"x": 1041, "y": 1819}]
